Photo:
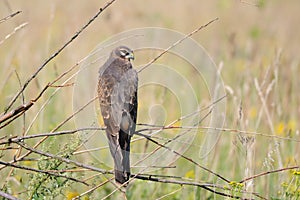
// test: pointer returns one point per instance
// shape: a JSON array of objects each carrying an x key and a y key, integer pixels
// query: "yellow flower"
[
  {"x": 297, "y": 173},
  {"x": 236, "y": 184},
  {"x": 71, "y": 194},
  {"x": 280, "y": 128},
  {"x": 190, "y": 174}
]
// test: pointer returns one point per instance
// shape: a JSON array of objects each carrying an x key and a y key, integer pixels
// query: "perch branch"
[{"x": 21, "y": 138}]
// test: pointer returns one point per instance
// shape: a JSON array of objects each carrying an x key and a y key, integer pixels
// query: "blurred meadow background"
[{"x": 254, "y": 44}]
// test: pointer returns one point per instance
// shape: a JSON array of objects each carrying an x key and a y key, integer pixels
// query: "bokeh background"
[{"x": 255, "y": 45}]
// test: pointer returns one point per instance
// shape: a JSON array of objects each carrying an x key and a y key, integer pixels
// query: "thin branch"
[
  {"x": 61, "y": 86},
  {"x": 8, "y": 196},
  {"x": 23, "y": 108},
  {"x": 192, "y": 113},
  {"x": 253, "y": 133},
  {"x": 9, "y": 16},
  {"x": 30, "y": 149},
  {"x": 12, "y": 115},
  {"x": 12, "y": 33},
  {"x": 183, "y": 156},
  {"x": 18, "y": 152},
  {"x": 149, "y": 177},
  {"x": 92, "y": 189},
  {"x": 176, "y": 43},
  {"x": 66, "y": 160},
  {"x": 21, "y": 138},
  {"x": 56, "y": 128},
  {"x": 8, "y": 148},
  {"x": 58, "y": 52},
  {"x": 206, "y": 186},
  {"x": 173, "y": 192},
  {"x": 269, "y": 172},
  {"x": 75, "y": 113},
  {"x": 67, "y": 170},
  {"x": 137, "y": 176},
  {"x": 41, "y": 171}
]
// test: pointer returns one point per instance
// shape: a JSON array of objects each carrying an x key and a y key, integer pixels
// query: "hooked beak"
[{"x": 130, "y": 56}]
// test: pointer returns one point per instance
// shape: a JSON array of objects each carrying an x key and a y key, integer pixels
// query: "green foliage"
[
  {"x": 291, "y": 188},
  {"x": 235, "y": 188},
  {"x": 44, "y": 186}
]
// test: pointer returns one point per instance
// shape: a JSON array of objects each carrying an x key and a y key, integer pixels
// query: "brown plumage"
[{"x": 117, "y": 90}]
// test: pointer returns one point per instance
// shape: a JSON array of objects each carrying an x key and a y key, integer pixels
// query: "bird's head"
[{"x": 124, "y": 53}]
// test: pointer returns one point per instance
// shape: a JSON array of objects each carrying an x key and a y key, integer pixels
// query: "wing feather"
[{"x": 117, "y": 89}]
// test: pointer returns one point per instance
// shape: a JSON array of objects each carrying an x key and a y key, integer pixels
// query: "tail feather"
[
  {"x": 122, "y": 167},
  {"x": 120, "y": 154}
]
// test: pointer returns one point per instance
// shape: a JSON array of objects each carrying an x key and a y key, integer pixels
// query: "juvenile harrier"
[{"x": 117, "y": 90}]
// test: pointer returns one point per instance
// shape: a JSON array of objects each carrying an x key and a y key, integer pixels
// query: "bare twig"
[
  {"x": 22, "y": 138},
  {"x": 137, "y": 176},
  {"x": 7, "y": 196},
  {"x": 183, "y": 156},
  {"x": 66, "y": 160},
  {"x": 9, "y": 16},
  {"x": 92, "y": 189},
  {"x": 58, "y": 52},
  {"x": 55, "y": 129},
  {"x": 8, "y": 148},
  {"x": 12, "y": 115},
  {"x": 173, "y": 192},
  {"x": 18, "y": 152},
  {"x": 269, "y": 172},
  {"x": 149, "y": 177},
  {"x": 206, "y": 186},
  {"x": 61, "y": 86},
  {"x": 13, "y": 32},
  {"x": 40, "y": 171},
  {"x": 229, "y": 130},
  {"x": 176, "y": 43}
]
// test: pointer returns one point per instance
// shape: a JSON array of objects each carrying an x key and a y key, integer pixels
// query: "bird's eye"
[{"x": 123, "y": 52}]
